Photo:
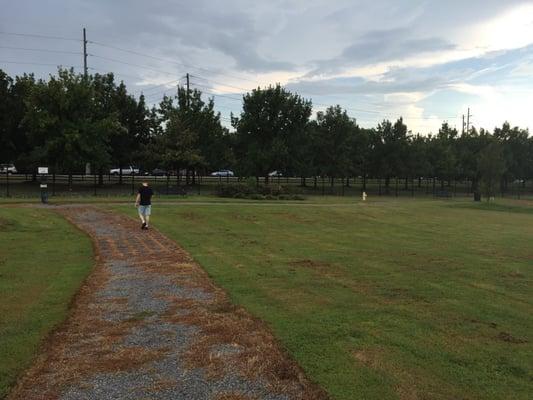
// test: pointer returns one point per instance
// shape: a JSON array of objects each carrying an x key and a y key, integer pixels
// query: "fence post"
[
  {"x": 199, "y": 182},
  {"x": 396, "y": 188},
  {"x": 132, "y": 182},
  {"x": 7, "y": 182},
  {"x": 168, "y": 181},
  {"x": 94, "y": 180},
  {"x": 412, "y": 187},
  {"x": 323, "y": 185},
  {"x": 379, "y": 185}
]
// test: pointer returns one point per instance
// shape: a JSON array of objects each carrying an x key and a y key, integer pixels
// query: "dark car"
[{"x": 159, "y": 172}]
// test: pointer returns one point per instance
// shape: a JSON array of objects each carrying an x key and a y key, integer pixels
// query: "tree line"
[{"x": 70, "y": 120}]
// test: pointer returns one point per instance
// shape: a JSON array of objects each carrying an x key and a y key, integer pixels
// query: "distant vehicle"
[
  {"x": 275, "y": 173},
  {"x": 223, "y": 172},
  {"x": 7, "y": 169},
  {"x": 159, "y": 172},
  {"x": 125, "y": 171}
]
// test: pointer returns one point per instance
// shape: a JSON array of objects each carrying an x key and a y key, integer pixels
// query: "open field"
[
  {"x": 380, "y": 300},
  {"x": 43, "y": 260}
]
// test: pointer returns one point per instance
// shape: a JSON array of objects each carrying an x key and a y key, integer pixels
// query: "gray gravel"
[{"x": 135, "y": 293}]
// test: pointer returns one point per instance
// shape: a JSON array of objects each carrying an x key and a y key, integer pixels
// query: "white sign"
[
  {"x": 42, "y": 170},
  {"x": 44, "y": 186}
]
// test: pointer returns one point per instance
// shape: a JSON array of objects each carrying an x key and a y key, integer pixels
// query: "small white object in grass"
[{"x": 364, "y": 196}]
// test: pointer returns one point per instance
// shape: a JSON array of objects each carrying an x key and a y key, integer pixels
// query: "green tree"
[
  {"x": 334, "y": 135},
  {"x": 270, "y": 131},
  {"x": 491, "y": 166},
  {"x": 65, "y": 128}
]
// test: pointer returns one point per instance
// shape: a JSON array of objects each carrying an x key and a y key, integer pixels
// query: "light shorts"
[{"x": 145, "y": 210}]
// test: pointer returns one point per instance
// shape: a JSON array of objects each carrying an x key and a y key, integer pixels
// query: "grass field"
[
  {"x": 409, "y": 299},
  {"x": 43, "y": 260}
]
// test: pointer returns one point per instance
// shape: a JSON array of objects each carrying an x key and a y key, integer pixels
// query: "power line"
[
  {"x": 132, "y": 64},
  {"x": 179, "y": 63},
  {"x": 39, "y": 36},
  {"x": 159, "y": 85},
  {"x": 208, "y": 91},
  {"x": 114, "y": 73},
  {"x": 44, "y": 64},
  {"x": 170, "y": 61},
  {"x": 41, "y": 50}
]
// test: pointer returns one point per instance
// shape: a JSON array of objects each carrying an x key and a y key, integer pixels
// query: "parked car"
[
  {"x": 125, "y": 171},
  {"x": 223, "y": 172},
  {"x": 159, "y": 172},
  {"x": 7, "y": 168},
  {"x": 275, "y": 173}
]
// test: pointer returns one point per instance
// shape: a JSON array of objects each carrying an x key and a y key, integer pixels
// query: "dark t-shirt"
[{"x": 146, "y": 195}]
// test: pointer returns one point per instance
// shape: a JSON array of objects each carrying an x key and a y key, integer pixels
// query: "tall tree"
[
  {"x": 64, "y": 126},
  {"x": 334, "y": 135},
  {"x": 270, "y": 131},
  {"x": 491, "y": 166}
]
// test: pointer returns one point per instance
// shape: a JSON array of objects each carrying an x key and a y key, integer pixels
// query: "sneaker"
[{"x": 143, "y": 226}]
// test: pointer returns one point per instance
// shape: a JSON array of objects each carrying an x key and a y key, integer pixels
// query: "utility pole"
[
  {"x": 463, "y": 126},
  {"x": 188, "y": 90},
  {"x": 468, "y": 121},
  {"x": 84, "y": 54}
]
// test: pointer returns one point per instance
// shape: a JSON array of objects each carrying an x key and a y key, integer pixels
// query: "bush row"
[{"x": 250, "y": 190}]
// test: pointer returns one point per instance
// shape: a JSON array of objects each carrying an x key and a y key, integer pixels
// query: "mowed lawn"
[
  {"x": 409, "y": 299},
  {"x": 43, "y": 260}
]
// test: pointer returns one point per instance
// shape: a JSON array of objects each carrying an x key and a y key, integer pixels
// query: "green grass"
[
  {"x": 43, "y": 260},
  {"x": 380, "y": 300}
]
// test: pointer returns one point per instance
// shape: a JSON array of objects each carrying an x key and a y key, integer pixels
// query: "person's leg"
[
  {"x": 142, "y": 215},
  {"x": 147, "y": 213}
]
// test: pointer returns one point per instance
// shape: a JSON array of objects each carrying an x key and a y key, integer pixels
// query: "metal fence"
[{"x": 28, "y": 186}]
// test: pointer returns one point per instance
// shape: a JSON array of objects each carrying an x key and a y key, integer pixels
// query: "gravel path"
[{"x": 149, "y": 324}]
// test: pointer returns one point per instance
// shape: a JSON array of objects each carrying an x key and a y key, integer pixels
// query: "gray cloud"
[{"x": 378, "y": 46}]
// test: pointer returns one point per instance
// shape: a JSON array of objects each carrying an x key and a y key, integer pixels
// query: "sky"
[{"x": 427, "y": 61}]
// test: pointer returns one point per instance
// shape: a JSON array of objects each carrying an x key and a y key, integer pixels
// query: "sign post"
[{"x": 43, "y": 177}]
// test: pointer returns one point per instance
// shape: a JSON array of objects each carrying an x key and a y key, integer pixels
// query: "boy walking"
[{"x": 143, "y": 202}]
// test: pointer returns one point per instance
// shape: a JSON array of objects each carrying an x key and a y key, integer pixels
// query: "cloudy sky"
[{"x": 425, "y": 60}]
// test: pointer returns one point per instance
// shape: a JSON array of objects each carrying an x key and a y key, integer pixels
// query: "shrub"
[{"x": 250, "y": 190}]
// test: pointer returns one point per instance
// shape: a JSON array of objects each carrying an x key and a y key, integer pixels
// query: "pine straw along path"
[{"x": 148, "y": 323}]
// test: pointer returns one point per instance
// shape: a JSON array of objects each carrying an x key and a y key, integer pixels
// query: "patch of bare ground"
[
  {"x": 507, "y": 337},
  {"x": 149, "y": 323}
]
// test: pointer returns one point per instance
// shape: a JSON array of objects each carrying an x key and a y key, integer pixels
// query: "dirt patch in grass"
[
  {"x": 295, "y": 218},
  {"x": 311, "y": 264},
  {"x": 406, "y": 381},
  {"x": 7, "y": 225},
  {"x": 191, "y": 216},
  {"x": 507, "y": 337}
]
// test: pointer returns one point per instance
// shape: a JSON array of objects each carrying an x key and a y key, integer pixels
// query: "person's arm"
[{"x": 137, "y": 200}]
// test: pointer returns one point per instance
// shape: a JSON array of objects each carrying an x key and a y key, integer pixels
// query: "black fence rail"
[{"x": 28, "y": 186}]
